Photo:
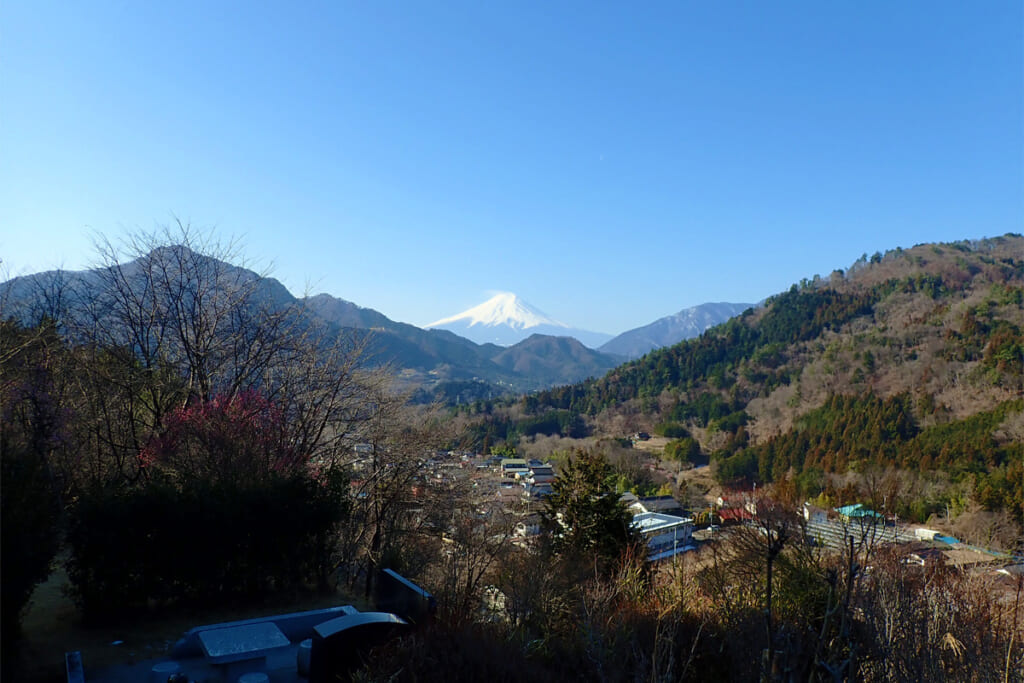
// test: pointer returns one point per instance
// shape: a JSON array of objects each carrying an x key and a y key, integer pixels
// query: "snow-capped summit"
[
  {"x": 505, "y": 319},
  {"x": 504, "y": 308}
]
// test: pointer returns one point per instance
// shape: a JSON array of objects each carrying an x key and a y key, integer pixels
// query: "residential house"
[
  {"x": 539, "y": 475},
  {"x": 529, "y": 526},
  {"x": 666, "y": 505},
  {"x": 666, "y": 535},
  {"x": 922, "y": 553},
  {"x": 510, "y": 467},
  {"x": 537, "y": 490},
  {"x": 735, "y": 507},
  {"x": 857, "y": 512},
  {"x": 815, "y": 514}
]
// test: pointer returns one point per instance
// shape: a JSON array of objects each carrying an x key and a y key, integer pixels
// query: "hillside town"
[{"x": 508, "y": 498}]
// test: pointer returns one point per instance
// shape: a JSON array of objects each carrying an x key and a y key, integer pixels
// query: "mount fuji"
[{"x": 505, "y": 319}]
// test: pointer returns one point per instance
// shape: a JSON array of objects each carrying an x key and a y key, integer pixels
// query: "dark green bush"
[
  {"x": 31, "y": 515},
  {"x": 202, "y": 541},
  {"x": 684, "y": 450},
  {"x": 32, "y": 429},
  {"x": 672, "y": 430}
]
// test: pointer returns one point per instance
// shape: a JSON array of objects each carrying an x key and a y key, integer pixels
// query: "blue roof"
[{"x": 856, "y": 510}]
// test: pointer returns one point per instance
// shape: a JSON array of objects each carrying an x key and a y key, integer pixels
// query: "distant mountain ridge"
[
  {"x": 421, "y": 357},
  {"x": 505, "y": 319},
  {"x": 672, "y": 329},
  {"x": 549, "y": 356}
]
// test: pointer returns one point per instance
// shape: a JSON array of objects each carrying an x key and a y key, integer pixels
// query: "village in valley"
[{"x": 509, "y": 488}]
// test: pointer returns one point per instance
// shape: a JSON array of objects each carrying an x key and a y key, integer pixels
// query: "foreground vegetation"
[
  {"x": 187, "y": 442},
  {"x": 707, "y": 620}
]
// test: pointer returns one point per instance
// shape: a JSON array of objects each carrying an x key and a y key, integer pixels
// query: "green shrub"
[
  {"x": 684, "y": 450},
  {"x": 672, "y": 430}
]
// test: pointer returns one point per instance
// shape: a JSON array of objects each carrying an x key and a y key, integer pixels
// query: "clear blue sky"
[{"x": 611, "y": 163}]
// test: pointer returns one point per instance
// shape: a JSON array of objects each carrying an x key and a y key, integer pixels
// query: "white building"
[
  {"x": 815, "y": 514},
  {"x": 666, "y": 535}
]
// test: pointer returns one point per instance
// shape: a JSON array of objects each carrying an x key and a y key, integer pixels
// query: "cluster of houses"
[
  {"x": 917, "y": 545},
  {"x": 519, "y": 485},
  {"x": 661, "y": 520},
  {"x": 533, "y": 475}
]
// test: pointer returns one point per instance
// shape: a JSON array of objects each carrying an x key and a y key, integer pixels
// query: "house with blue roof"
[{"x": 858, "y": 512}]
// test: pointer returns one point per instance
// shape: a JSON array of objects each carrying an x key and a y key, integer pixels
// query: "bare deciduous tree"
[
  {"x": 392, "y": 503},
  {"x": 170, "y": 318}
]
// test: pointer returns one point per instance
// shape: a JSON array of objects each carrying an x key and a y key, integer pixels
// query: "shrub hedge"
[{"x": 164, "y": 543}]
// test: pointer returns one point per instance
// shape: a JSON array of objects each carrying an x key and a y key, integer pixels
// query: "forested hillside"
[{"x": 912, "y": 359}]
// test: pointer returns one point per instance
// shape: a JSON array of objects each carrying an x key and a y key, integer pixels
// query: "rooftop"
[
  {"x": 857, "y": 510},
  {"x": 274, "y": 653},
  {"x": 658, "y": 503},
  {"x": 653, "y": 522},
  {"x": 278, "y": 648}
]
